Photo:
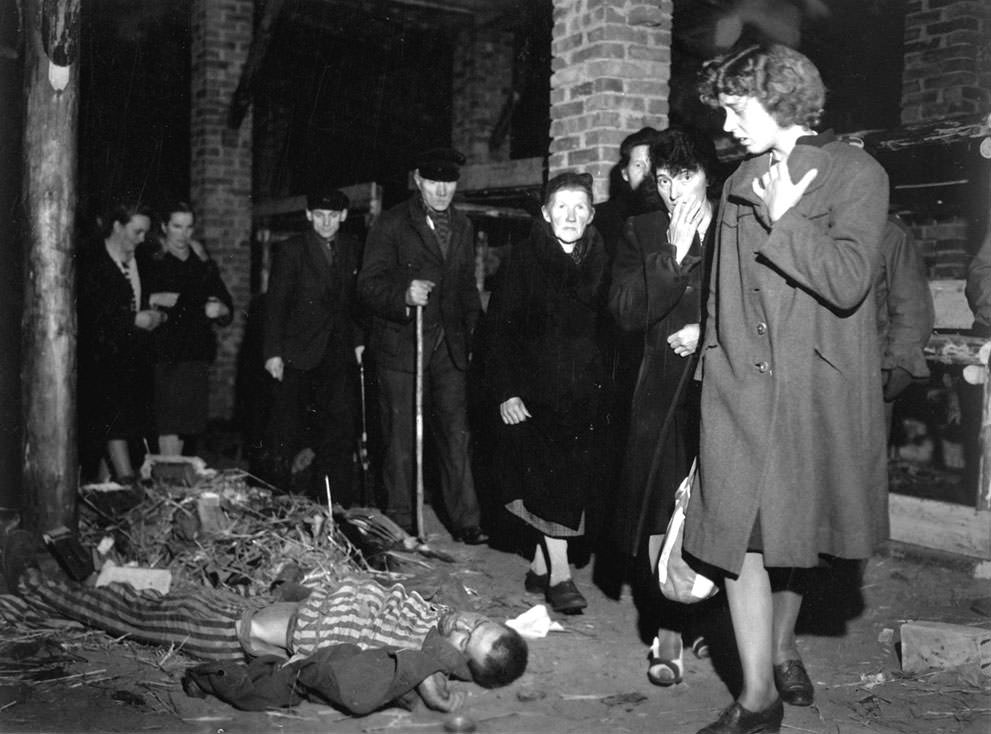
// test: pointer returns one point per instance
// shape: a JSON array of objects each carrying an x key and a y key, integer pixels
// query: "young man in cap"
[
  {"x": 311, "y": 344},
  {"x": 421, "y": 254}
]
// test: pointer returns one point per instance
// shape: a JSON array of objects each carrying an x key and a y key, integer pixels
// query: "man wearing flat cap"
[
  {"x": 312, "y": 341},
  {"x": 421, "y": 254}
]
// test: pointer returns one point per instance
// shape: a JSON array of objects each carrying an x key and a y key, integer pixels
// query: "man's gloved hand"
[{"x": 895, "y": 382}]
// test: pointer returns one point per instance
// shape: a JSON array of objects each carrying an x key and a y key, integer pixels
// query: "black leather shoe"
[
  {"x": 535, "y": 583},
  {"x": 472, "y": 536},
  {"x": 738, "y": 720},
  {"x": 566, "y": 598},
  {"x": 793, "y": 683}
]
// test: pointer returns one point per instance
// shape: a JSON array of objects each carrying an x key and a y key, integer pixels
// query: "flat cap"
[
  {"x": 440, "y": 164},
  {"x": 324, "y": 198}
]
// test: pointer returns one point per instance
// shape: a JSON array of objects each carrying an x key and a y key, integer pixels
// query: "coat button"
[
  {"x": 762, "y": 367},
  {"x": 761, "y": 328}
]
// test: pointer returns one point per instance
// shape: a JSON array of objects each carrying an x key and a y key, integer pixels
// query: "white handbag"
[{"x": 677, "y": 580}]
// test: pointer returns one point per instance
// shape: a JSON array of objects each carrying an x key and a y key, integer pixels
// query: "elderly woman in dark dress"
[
  {"x": 187, "y": 286},
  {"x": 547, "y": 374},
  {"x": 658, "y": 279}
]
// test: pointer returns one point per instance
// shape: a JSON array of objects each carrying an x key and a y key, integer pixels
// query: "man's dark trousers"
[
  {"x": 315, "y": 408},
  {"x": 445, "y": 415}
]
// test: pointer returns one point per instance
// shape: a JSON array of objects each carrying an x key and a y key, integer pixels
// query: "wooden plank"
[
  {"x": 365, "y": 196},
  {"x": 938, "y": 646},
  {"x": 954, "y": 349},
  {"x": 940, "y": 526},
  {"x": 516, "y": 174}
]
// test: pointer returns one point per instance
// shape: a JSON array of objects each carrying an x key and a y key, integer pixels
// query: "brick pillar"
[
  {"x": 611, "y": 65},
  {"x": 483, "y": 78},
  {"x": 947, "y": 59},
  {"x": 220, "y": 171}
]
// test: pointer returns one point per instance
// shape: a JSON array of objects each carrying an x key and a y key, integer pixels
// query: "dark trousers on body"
[
  {"x": 445, "y": 420},
  {"x": 316, "y": 408}
]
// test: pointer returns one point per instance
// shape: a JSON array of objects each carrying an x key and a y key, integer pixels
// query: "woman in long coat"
[
  {"x": 658, "y": 279},
  {"x": 115, "y": 321},
  {"x": 546, "y": 373},
  {"x": 792, "y": 447}
]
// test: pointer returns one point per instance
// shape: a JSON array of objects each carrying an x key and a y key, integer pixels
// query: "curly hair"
[{"x": 783, "y": 80}]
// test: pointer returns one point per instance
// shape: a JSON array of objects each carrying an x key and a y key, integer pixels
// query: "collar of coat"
[
  {"x": 582, "y": 280},
  {"x": 810, "y": 152},
  {"x": 417, "y": 217}
]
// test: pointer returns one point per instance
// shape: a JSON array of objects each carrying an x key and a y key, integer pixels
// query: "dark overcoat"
[
  {"x": 187, "y": 335},
  {"x": 542, "y": 347},
  {"x": 793, "y": 434},
  {"x": 310, "y": 301},
  {"x": 652, "y": 293},
  {"x": 114, "y": 354},
  {"x": 401, "y": 248}
]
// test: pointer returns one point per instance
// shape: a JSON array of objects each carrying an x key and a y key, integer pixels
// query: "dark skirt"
[
  {"x": 548, "y": 477},
  {"x": 182, "y": 397}
]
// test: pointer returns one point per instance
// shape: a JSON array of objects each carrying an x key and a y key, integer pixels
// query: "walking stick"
[
  {"x": 363, "y": 441},
  {"x": 419, "y": 424}
]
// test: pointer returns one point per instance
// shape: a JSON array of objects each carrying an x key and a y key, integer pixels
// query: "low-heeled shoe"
[
  {"x": 472, "y": 536},
  {"x": 738, "y": 720},
  {"x": 535, "y": 583},
  {"x": 565, "y": 598},
  {"x": 793, "y": 683}
]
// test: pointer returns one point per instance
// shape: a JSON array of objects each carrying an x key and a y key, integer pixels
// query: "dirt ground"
[{"x": 588, "y": 678}]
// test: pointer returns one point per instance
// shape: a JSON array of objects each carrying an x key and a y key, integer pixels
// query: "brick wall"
[
  {"x": 947, "y": 59},
  {"x": 947, "y": 73},
  {"x": 221, "y": 169},
  {"x": 610, "y": 70},
  {"x": 483, "y": 77}
]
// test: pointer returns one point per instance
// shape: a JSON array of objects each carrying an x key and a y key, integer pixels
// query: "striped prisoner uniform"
[{"x": 205, "y": 624}]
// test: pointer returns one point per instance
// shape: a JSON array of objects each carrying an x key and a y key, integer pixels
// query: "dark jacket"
[
  {"x": 793, "y": 430},
  {"x": 542, "y": 347},
  {"x": 187, "y": 335},
  {"x": 344, "y": 676},
  {"x": 108, "y": 338},
  {"x": 979, "y": 287},
  {"x": 652, "y": 293},
  {"x": 905, "y": 313},
  {"x": 310, "y": 301},
  {"x": 401, "y": 248}
]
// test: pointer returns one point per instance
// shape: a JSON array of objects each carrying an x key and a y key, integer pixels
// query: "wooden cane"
[{"x": 419, "y": 424}]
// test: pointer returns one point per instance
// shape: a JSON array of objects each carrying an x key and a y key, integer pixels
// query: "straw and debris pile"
[{"x": 239, "y": 540}]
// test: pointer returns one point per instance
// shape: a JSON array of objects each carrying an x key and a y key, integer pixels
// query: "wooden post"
[
  {"x": 11, "y": 257},
  {"x": 48, "y": 372}
]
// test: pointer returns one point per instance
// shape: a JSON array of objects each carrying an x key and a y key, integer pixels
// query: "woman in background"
[
  {"x": 658, "y": 279},
  {"x": 546, "y": 371},
  {"x": 115, "y": 325},
  {"x": 186, "y": 285}
]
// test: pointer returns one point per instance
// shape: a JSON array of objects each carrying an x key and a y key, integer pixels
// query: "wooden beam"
[
  {"x": 363, "y": 196},
  {"x": 49, "y": 321},
  {"x": 241, "y": 99},
  {"x": 941, "y": 526},
  {"x": 939, "y": 646},
  {"x": 515, "y": 174}
]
